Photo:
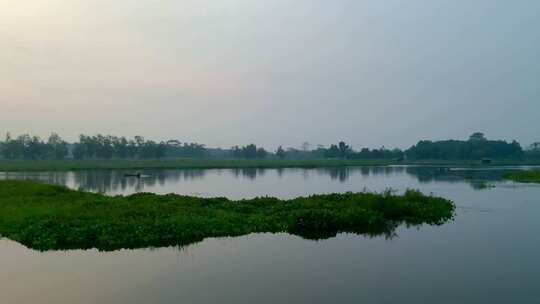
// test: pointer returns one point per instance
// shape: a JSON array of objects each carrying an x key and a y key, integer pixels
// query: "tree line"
[
  {"x": 476, "y": 147},
  {"x": 107, "y": 147},
  {"x": 533, "y": 152},
  {"x": 28, "y": 147},
  {"x": 33, "y": 147},
  {"x": 250, "y": 151}
]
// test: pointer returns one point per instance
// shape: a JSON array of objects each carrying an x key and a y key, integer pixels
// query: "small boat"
[{"x": 137, "y": 175}]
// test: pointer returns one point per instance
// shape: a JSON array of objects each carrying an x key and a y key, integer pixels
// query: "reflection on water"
[
  {"x": 116, "y": 182},
  {"x": 478, "y": 179},
  {"x": 108, "y": 181}
]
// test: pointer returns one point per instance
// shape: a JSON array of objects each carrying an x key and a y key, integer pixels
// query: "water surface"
[{"x": 487, "y": 255}]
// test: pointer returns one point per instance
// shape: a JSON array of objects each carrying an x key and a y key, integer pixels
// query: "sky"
[{"x": 272, "y": 72}]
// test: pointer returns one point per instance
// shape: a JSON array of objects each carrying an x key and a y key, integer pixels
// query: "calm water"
[{"x": 489, "y": 254}]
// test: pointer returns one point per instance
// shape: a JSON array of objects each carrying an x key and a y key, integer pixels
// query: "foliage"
[
  {"x": 529, "y": 176},
  {"x": 107, "y": 147},
  {"x": 250, "y": 151},
  {"x": 33, "y": 147},
  {"x": 381, "y": 153},
  {"x": 100, "y": 147},
  {"x": 47, "y": 217},
  {"x": 342, "y": 150},
  {"x": 477, "y": 147},
  {"x": 280, "y": 153},
  {"x": 533, "y": 152},
  {"x": 175, "y": 149},
  {"x": 104, "y": 147},
  {"x": 479, "y": 136}
]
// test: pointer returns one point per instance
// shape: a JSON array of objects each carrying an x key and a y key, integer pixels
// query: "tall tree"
[
  {"x": 58, "y": 148},
  {"x": 280, "y": 153},
  {"x": 477, "y": 136}
]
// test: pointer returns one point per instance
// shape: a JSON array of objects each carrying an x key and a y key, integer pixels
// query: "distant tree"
[
  {"x": 236, "y": 152},
  {"x": 96, "y": 147},
  {"x": 294, "y": 153},
  {"x": 132, "y": 149},
  {"x": 250, "y": 151},
  {"x": 161, "y": 150},
  {"x": 344, "y": 149},
  {"x": 478, "y": 136},
  {"x": 78, "y": 151},
  {"x": 533, "y": 152},
  {"x": 174, "y": 143},
  {"x": 120, "y": 147},
  {"x": 36, "y": 149},
  {"x": 12, "y": 149},
  {"x": 280, "y": 153},
  {"x": 477, "y": 148},
  {"x": 193, "y": 150},
  {"x": 261, "y": 153},
  {"x": 106, "y": 146},
  {"x": 88, "y": 147},
  {"x": 25, "y": 147},
  {"x": 332, "y": 152},
  {"x": 341, "y": 150},
  {"x": 382, "y": 153},
  {"x": 319, "y": 152},
  {"x": 58, "y": 148}
]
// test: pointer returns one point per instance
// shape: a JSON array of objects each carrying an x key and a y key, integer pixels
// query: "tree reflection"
[{"x": 117, "y": 181}]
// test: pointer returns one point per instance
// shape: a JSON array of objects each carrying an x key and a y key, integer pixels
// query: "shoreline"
[{"x": 78, "y": 165}]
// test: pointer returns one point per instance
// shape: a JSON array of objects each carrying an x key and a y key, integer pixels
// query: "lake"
[{"x": 487, "y": 255}]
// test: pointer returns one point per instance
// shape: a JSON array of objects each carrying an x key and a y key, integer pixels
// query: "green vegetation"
[
  {"x": 108, "y": 147},
  {"x": 477, "y": 147},
  {"x": 124, "y": 164},
  {"x": 33, "y": 147},
  {"x": 26, "y": 147},
  {"x": 250, "y": 151},
  {"x": 46, "y": 217},
  {"x": 529, "y": 176}
]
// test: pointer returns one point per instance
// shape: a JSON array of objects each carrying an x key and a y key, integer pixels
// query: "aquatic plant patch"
[
  {"x": 48, "y": 217},
  {"x": 529, "y": 176}
]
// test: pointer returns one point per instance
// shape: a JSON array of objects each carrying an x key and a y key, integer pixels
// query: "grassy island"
[
  {"x": 47, "y": 217},
  {"x": 529, "y": 176}
]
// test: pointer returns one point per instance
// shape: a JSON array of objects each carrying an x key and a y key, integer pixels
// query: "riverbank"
[
  {"x": 47, "y": 217},
  {"x": 77, "y": 165}
]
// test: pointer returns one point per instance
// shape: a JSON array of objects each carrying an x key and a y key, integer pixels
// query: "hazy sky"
[{"x": 226, "y": 72}]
